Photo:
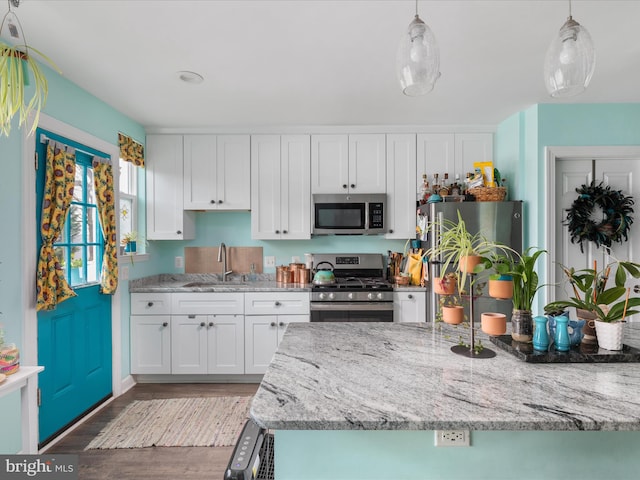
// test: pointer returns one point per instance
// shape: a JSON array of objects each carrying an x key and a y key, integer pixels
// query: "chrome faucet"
[{"x": 222, "y": 257}]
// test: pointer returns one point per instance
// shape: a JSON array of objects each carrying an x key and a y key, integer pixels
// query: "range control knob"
[
  {"x": 350, "y": 296},
  {"x": 379, "y": 296},
  {"x": 331, "y": 296},
  {"x": 370, "y": 296},
  {"x": 321, "y": 296}
]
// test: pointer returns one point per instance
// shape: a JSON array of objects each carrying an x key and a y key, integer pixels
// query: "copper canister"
[
  {"x": 295, "y": 268},
  {"x": 303, "y": 276},
  {"x": 283, "y": 274}
]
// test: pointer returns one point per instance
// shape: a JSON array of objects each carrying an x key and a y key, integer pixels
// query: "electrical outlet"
[
  {"x": 452, "y": 438},
  {"x": 124, "y": 273},
  {"x": 178, "y": 262},
  {"x": 295, "y": 259},
  {"x": 269, "y": 261}
]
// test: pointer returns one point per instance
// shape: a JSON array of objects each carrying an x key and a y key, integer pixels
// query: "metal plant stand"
[{"x": 470, "y": 352}]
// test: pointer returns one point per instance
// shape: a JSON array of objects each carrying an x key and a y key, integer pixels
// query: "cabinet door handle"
[
  {"x": 273, "y": 324},
  {"x": 150, "y": 304},
  {"x": 191, "y": 316},
  {"x": 213, "y": 201},
  {"x": 179, "y": 232},
  {"x": 277, "y": 304},
  {"x": 219, "y": 201},
  {"x": 277, "y": 231},
  {"x": 165, "y": 324},
  {"x": 409, "y": 296},
  {"x": 353, "y": 185},
  {"x": 284, "y": 231},
  {"x": 391, "y": 231},
  {"x": 202, "y": 324},
  {"x": 344, "y": 185},
  {"x": 211, "y": 324},
  {"x": 281, "y": 324}
]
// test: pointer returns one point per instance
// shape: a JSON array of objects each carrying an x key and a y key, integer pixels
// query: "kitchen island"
[{"x": 361, "y": 401}]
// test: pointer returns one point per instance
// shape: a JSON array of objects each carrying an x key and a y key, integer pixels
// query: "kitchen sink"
[{"x": 218, "y": 283}]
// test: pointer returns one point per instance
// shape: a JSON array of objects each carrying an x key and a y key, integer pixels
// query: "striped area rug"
[{"x": 175, "y": 422}]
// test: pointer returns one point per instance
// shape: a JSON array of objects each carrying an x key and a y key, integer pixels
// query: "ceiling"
[{"x": 323, "y": 62}]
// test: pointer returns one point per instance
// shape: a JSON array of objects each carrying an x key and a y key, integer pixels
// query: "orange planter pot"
[
  {"x": 444, "y": 285},
  {"x": 469, "y": 262},
  {"x": 502, "y": 289},
  {"x": 494, "y": 323},
  {"x": 453, "y": 315}
]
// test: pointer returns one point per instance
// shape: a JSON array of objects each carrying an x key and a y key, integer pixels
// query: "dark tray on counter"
[{"x": 577, "y": 354}]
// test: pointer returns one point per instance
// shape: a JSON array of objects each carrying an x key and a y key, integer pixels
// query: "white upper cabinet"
[
  {"x": 471, "y": 148},
  {"x": 401, "y": 175},
  {"x": 217, "y": 172},
  {"x": 166, "y": 219},
  {"x": 348, "y": 163},
  {"x": 451, "y": 153},
  {"x": 280, "y": 187}
]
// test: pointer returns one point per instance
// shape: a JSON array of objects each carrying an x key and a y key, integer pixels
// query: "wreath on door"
[{"x": 616, "y": 209}]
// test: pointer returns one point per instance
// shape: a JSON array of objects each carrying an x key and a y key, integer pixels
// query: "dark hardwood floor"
[{"x": 155, "y": 462}]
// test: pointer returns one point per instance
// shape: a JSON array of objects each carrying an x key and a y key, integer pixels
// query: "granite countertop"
[
  {"x": 210, "y": 282},
  {"x": 403, "y": 376}
]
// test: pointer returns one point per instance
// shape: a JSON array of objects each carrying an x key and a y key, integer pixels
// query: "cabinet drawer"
[
  {"x": 150, "y": 303},
  {"x": 207, "y": 303},
  {"x": 276, "y": 303}
]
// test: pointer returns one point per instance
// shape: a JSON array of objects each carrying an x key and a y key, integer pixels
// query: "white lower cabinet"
[
  {"x": 207, "y": 344},
  {"x": 409, "y": 306},
  {"x": 267, "y": 315},
  {"x": 150, "y": 333},
  {"x": 262, "y": 336}
]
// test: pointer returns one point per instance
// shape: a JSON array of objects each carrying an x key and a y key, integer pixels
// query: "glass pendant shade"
[
  {"x": 418, "y": 60},
  {"x": 570, "y": 61}
]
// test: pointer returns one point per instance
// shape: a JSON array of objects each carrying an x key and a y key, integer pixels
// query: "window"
[
  {"x": 128, "y": 208},
  {"x": 79, "y": 248}
]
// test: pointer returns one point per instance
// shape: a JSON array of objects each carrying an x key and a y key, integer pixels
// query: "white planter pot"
[{"x": 609, "y": 335}]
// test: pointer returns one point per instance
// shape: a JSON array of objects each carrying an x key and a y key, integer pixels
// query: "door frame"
[
  {"x": 554, "y": 154},
  {"x": 29, "y": 260}
]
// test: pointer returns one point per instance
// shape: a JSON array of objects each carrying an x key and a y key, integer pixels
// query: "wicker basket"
[{"x": 489, "y": 194}]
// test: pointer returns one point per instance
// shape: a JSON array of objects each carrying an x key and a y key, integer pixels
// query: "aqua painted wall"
[
  {"x": 78, "y": 108},
  {"x": 493, "y": 455},
  {"x": 545, "y": 125}
]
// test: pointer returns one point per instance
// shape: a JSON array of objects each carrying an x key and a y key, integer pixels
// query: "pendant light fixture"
[
  {"x": 418, "y": 60},
  {"x": 570, "y": 60}
]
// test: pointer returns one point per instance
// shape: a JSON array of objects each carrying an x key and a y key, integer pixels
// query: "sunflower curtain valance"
[
  {"x": 103, "y": 183},
  {"x": 52, "y": 287},
  {"x": 130, "y": 150}
]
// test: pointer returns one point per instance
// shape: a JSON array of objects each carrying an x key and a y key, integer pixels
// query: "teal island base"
[{"x": 392, "y": 454}]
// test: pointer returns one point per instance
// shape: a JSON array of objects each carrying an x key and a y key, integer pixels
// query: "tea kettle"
[{"x": 324, "y": 276}]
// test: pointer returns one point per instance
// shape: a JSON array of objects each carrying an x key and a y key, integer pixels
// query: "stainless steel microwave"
[{"x": 349, "y": 214}]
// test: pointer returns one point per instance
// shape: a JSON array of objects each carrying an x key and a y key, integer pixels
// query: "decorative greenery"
[
  {"x": 455, "y": 242},
  {"x": 590, "y": 291},
  {"x": 76, "y": 262},
  {"x": 521, "y": 267},
  {"x": 128, "y": 237},
  {"x": 616, "y": 210},
  {"x": 15, "y": 64}
]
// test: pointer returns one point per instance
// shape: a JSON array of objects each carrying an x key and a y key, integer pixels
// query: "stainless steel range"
[{"x": 360, "y": 293}]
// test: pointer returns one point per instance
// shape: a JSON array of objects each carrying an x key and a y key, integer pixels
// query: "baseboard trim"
[{"x": 197, "y": 378}]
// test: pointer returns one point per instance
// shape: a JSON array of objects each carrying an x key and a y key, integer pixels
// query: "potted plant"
[
  {"x": 599, "y": 305},
  {"x": 76, "y": 269},
  {"x": 129, "y": 241},
  {"x": 445, "y": 285},
  {"x": 17, "y": 68},
  {"x": 459, "y": 249},
  {"x": 451, "y": 309},
  {"x": 521, "y": 268}
]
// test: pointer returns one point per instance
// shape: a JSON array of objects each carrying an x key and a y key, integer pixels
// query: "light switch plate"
[
  {"x": 179, "y": 262},
  {"x": 269, "y": 261},
  {"x": 124, "y": 273}
]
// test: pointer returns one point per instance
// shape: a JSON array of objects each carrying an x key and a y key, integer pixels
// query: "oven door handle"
[{"x": 353, "y": 306}]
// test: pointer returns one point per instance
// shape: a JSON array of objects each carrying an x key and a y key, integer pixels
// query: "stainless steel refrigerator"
[{"x": 498, "y": 221}]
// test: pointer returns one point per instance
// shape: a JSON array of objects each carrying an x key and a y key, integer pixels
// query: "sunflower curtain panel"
[
  {"x": 52, "y": 286},
  {"x": 103, "y": 182},
  {"x": 130, "y": 150}
]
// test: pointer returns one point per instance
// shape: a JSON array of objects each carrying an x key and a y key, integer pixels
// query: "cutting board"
[{"x": 205, "y": 259}]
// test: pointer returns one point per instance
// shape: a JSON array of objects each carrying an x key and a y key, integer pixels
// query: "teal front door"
[{"x": 74, "y": 340}]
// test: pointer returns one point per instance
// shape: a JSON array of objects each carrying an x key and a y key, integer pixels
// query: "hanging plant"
[
  {"x": 616, "y": 218},
  {"x": 17, "y": 69}
]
